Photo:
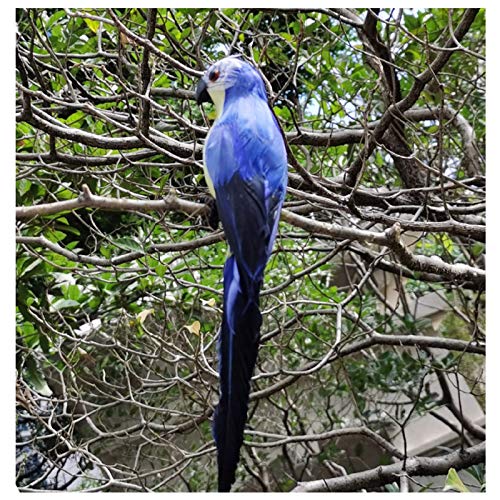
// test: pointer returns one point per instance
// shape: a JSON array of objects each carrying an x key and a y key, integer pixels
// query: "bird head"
[{"x": 230, "y": 75}]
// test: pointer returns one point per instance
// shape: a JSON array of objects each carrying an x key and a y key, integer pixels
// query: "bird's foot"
[{"x": 212, "y": 218}]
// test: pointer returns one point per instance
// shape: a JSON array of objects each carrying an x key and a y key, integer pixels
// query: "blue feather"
[{"x": 246, "y": 159}]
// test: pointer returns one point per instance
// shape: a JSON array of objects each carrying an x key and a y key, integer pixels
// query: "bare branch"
[
  {"x": 385, "y": 474},
  {"x": 89, "y": 200}
]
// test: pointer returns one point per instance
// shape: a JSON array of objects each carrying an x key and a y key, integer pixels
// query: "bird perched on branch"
[{"x": 245, "y": 165}]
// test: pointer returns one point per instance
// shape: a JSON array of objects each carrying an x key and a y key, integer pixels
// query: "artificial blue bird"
[{"x": 245, "y": 165}]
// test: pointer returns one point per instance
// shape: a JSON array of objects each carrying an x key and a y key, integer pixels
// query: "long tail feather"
[{"x": 238, "y": 346}]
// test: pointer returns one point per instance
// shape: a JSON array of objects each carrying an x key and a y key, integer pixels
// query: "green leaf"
[
  {"x": 54, "y": 18},
  {"x": 130, "y": 244},
  {"x": 477, "y": 249},
  {"x": 55, "y": 236},
  {"x": 32, "y": 266},
  {"x": 29, "y": 333},
  {"x": 44, "y": 344},
  {"x": 65, "y": 194},
  {"x": 477, "y": 472},
  {"x": 71, "y": 292},
  {"x": 447, "y": 243},
  {"x": 64, "y": 304},
  {"x": 23, "y": 186},
  {"x": 392, "y": 488},
  {"x": 160, "y": 270},
  {"x": 454, "y": 483},
  {"x": 92, "y": 24},
  {"x": 33, "y": 374},
  {"x": 411, "y": 22},
  {"x": 106, "y": 251}
]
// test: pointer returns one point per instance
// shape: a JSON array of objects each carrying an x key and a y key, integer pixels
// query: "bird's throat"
[{"x": 218, "y": 96}]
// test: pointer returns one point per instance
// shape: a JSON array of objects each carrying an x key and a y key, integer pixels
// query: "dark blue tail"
[{"x": 238, "y": 346}]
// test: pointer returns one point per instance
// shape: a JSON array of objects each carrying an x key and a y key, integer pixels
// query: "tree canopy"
[{"x": 373, "y": 301}]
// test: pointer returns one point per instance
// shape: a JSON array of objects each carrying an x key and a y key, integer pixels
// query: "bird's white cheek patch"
[{"x": 218, "y": 95}]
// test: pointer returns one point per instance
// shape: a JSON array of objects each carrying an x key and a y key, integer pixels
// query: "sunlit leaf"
[{"x": 454, "y": 483}]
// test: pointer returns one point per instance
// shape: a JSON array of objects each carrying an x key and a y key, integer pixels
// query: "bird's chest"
[{"x": 208, "y": 178}]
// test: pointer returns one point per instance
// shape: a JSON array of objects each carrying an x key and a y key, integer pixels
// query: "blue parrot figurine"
[{"x": 245, "y": 164}]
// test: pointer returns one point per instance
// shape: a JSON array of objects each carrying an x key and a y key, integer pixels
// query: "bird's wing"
[{"x": 248, "y": 197}]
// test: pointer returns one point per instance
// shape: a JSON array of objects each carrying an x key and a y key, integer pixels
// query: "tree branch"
[
  {"x": 385, "y": 474},
  {"x": 397, "y": 109},
  {"x": 349, "y": 431},
  {"x": 390, "y": 238},
  {"x": 149, "y": 44},
  {"x": 145, "y": 72},
  {"x": 41, "y": 241},
  {"x": 87, "y": 199}
]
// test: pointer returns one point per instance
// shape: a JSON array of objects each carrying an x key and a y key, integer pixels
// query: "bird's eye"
[{"x": 214, "y": 75}]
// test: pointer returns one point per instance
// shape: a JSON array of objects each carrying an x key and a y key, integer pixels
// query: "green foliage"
[{"x": 454, "y": 483}]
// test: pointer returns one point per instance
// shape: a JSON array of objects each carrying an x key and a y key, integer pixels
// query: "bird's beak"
[{"x": 201, "y": 93}]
